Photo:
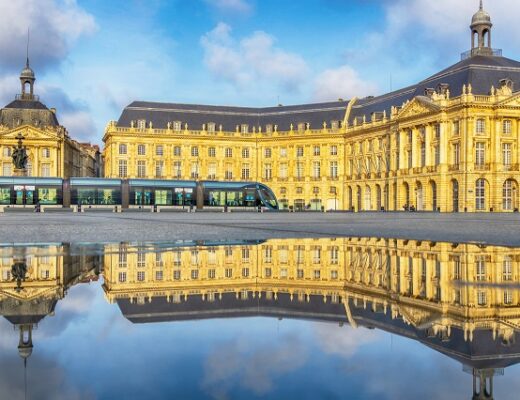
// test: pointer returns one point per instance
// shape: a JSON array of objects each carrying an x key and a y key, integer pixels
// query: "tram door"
[
  {"x": 143, "y": 197},
  {"x": 24, "y": 195}
]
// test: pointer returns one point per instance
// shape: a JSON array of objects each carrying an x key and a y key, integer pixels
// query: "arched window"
[{"x": 480, "y": 195}]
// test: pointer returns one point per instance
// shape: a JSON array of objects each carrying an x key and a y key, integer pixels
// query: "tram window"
[
  {"x": 86, "y": 196},
  {"x": 235, "y": 199},
  {"x": 143, "y": 197},
  {"x": 106, "y": 196},
  {"x": 163, "y": 197},
  {"x": 268, "y": 197},
  {"x": 48, "y": 196},
  {"x": 250, "y": 198},
  {"x": 5, "y": 196},
  {"x": 216, "y": 198}
]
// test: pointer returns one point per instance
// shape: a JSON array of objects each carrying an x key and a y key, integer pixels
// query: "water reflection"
[{"x": 461, "y": 300}]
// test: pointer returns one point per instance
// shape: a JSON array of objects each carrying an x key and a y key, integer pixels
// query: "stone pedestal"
[{"x": 20, "y": 172}]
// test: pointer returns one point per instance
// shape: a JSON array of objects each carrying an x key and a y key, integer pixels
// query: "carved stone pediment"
[
  {"x": 511, "y": 101},
  {"x": 418, "y": 106},
  {"x": 30, "y": 133}
]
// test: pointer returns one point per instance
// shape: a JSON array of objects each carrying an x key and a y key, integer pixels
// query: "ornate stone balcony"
[
  {"x": 482, "y": 167},
  {"x": 454, "y": 167}
]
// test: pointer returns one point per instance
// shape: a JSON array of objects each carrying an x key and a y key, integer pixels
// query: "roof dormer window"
[{"x": 141, "y": 124}]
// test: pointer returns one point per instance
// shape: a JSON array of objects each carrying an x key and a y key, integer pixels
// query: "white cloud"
[
  {"x": 343, "y": 82},
  {"x": 252, "y": 59},
  {"x": 343, "y": 341},
  {"x": 54, "y": 25},
  {"x": 237, "y": 6},
  {"x": 254, "y": 368}
]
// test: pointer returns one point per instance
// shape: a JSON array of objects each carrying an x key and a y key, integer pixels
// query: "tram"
[{"x": 134, "y": 193}]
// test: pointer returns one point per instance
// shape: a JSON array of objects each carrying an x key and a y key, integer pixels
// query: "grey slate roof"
[
  {"x": 480, "y": 71},
  {"x": 229, "y": 117},
  {"x": 30, "y": 112}
]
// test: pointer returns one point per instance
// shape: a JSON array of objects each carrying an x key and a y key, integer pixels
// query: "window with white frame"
[
  {"x": 508, "y": 297},
  {"x": 481, "y": 298},
  {"x": 507, "y": 269},
  {"x": 334, "y": 255},
  {"x": 6, "y": 169},
  {"x": 480, "y": 195},
  {"x": 300, "y": 170},
  {"x": 480, "y": 268},
  {"x": 245, "y": 152},
  {"x": 283, "y": 152},
  {"x": 123, "y": 168},
  {"x": 456, "y": 153},
  {"x": 228, "y": 152},
  {"x": 268, "y": 171},
  {"x": 141, "y": 124},
  {"x": 141, "y": 169},
  {"x": 316, "y": 150},
  {"x": 268, "y": 254},
  {"x": 334, "y": 169},
  {"x": 456, "y": 128},
  {"x": 141, "y": 276},
  {"x": 6, "y": 152},
  {"x": 245, "y": 171},
  {"x": 177, "y": 126},
  {"x": 177, "y": 169},
  {"x": 159, "y": 150},
  {"x": 480, "y": 153},
  {"x": 333, "y": 150},
  {"x": 141, "y": 150},
  {"x": 269, "y": 128},
  {"x": 46, "y": 170},
  {"x": 212, "y": 170},
  {"x": 46, "y": 152},
  {"x": 212, "y": 152},
  {"x": 194, "y": 170},
  {"x": 506, "y": 127},
  {"x": 122, "y": 277},
  {"x": 177, "y": 151},
  {"x": 211, "y": 127},
  {"x": 194, "y": 151},
  {"x": 316, "y": 169},
  {"x": 506, "y": 154},
  {"x": 299, "y": 151},
  {"x": 123, "y": 149},
  {"x": 283, "y": 173},
  {"x": 480, "y": 126},
  {"x": 244, "y": 128},
  {"x": 267, "y": 152},
  {"x": 159, "y": 169},
  {"x": 316, "y": 254}
]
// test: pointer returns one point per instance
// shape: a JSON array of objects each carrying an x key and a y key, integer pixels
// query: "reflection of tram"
[{"x": 134, "y": 193}]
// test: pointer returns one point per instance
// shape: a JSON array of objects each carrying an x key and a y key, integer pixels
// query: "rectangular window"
[
  {"x": 283, "y": 174},
  {"x": 334, "y": 150},
  {"x": 334, "y": 255},
  {"x": 334, "y": 169},
  {"x": 268, "y": 254},
  {"x": 508, "y": 297},
  {"x": 283, "y": 152},
  {"x": 267, "y": 152},
  {"x": 437, "y": 131},
  {"x": 159, "y": 150},
  {"x": 212, "y": 273},
  {"x": 506, "y": 154},
  {"x": 212, "y": 170},
  {"x": 456, "y": 128},
  {"x": 316, "y": 170},
  {"x": 316, "y": 150},
  {"x": 245, "y": 272},
  {"x": 212, "y": 152},
  {"x": 177, "y": 275},
  {"x": 177, "y": 151},
  {"x": 507, "y": 269},
  {"x": 141, "y": 150},
  {"x": 480, "y": 269},
  {"x": 159, "y": 169},
  {"x": 268, "y": 272},
  {"x": 245, "y": 171},
  {"x": 245, "y": 152},
  {"x": 177, "y": 126},
  {"x": 194, "y": 151},
  {"x": 6, "y": 152},
  {"x": 481, "y": 298},
  {"x": 456, "y": 269},
  {"x": 229, "y": 171},
  {"x": 423, "y": 153},
  {"x": 437, "y": 154},
  {"x": 211, "y": 127},
  {"x": 158, "y": 275},
  {"x": 480, "y": 153},
  {"x": 140, "y": 276},
  {"x": 6, "y": 169},
  {"x": 229, "y": 272},
  {"x": 122, "y": 277},
  {"x": 228, "y": 152},
  {"x": 141, "y": 124},
  {"x": 506, "y": 127},
  {"x": 480, "y": 127},
  {"x": 334, "y": 274},
  {"x": 194, "y": 170},
  {"x": 123, "y": 149},
  {"x": 299, "y": 151},
  {"x": 141, "y": 169},
  {"x": 46, "y": 152},
  {"x": 194, "y": 274},
  {"x": 268, "y": 171},
  {"x": 123, "y": 168},
  {"x": 456, "y": 153},
  {"x": 244, "y": 128},
  {"x": 177, "y": 169},
  {"x": 46, "y": 170}
]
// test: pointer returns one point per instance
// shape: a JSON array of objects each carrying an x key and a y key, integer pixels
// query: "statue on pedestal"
[{"x": 19, "y": 155}]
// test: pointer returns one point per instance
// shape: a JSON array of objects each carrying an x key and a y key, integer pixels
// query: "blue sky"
[
  {"x": 88, "y": 350},
  {"x": 93, "y": 57}
]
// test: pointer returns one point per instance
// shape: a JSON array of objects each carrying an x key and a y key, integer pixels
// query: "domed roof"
[
  {"x": 481, "y": 17},
  {"x": 27, "y": 72}
]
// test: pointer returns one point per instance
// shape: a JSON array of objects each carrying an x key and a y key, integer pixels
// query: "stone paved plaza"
[{"x": 105, "y": 227}]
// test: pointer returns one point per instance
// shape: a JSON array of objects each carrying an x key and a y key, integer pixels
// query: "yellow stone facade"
[{"x": 449, "y": 147}]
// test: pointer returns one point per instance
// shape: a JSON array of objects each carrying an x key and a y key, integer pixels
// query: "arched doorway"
[
  {"x": 433, "y": 194},
  {"x": 455, "y": 195},
  {"x": 509, "y": 193},
  {"x": 419, "y": 196},
  {"x": 368, "y": 198}
]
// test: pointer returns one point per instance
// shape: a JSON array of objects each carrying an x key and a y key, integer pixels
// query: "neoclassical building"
[
  {"x": 52, "y": 152},
  {"x": 448, "y": 143}
]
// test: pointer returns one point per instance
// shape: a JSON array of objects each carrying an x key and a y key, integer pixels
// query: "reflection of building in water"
[
  {"x": 462, "y": 300},
  {"x": 33, "y": 279}
]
